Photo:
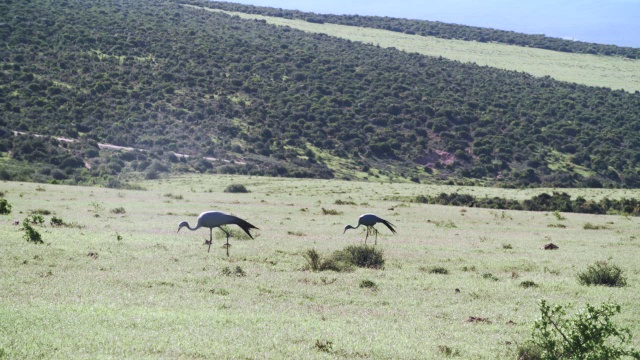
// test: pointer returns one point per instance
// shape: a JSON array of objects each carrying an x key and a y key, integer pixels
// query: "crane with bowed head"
[
  {"x": 369, "y": 220},
  {"x": 212, "y": 219}
]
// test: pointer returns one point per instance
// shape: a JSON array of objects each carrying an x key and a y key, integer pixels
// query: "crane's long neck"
[
  {"x": 190, "y": 228},
  {"x": 349, "y": 227}
]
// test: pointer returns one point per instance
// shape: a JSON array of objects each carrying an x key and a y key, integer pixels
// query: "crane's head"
[
  {"x": 181, "y": 225},
  {"x": 347, "y": 228}
]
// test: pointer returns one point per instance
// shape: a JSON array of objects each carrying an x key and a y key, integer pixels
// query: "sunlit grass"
[{"x": 127, "y": 285}]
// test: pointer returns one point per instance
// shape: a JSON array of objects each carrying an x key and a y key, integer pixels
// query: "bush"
[
  {"x": 316, "y": 263},
  {"x": 56, "y": 221},
  {"x": 590, "y": 226},
  {"x": 601, "y": 273},
  {"x": 331, "y": 212},
  {"x": 344, "y": 202},
  {"x": 313, "y": 258},
  {"x": 528, "y": 284},
  {"x": 226, "y": 271},
  {"x": 236, "y": 188},
  {"x": 5, "y": 207},
  {"x": 590, "y": 334},
  {"x": 490, "y": 276},
  {"x": 31, "y": 234},
  {"x": 368, "y": 284},
  {"x": 529, "y": 351},
  {"x": 35, "y": 219},
  {"x": 438, "y": 270},
  {"x": 361, "y": 256}
]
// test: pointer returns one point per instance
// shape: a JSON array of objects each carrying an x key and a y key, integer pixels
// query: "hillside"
[
  {"x": 613, "y": 72},
  {"x": 157, "y": 76},
  {"x": 434, "y": 28}
]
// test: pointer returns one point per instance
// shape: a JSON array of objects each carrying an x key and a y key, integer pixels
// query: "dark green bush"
[
  {"x": 490, "y": 276},
  {"x": 361, "y": 256},
  {"x": 601, "y": 273},
  {"x": 5, "y": 207},
  {"x": 56, "y": 221},
  {"x": 313, "y": 259},
  {"x": 35, "y": 219},
  {"x": 528, "y": 284},
  {"x": 226, "y": 271},
  {"x": 315, "y": 262},
  {"x": 236, "y": 188},
  {"x": 438, "y": 270},
  {"x": 31, "y": 234},
  {"x": 368, "y": 284}
]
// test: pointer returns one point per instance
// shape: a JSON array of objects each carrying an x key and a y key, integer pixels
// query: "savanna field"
[{"x": 117, "y": 280}]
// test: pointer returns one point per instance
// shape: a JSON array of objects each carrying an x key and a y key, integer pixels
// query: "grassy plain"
[
  {"x": 126, "y": 285},
  {"x": 592, "y": 70}
]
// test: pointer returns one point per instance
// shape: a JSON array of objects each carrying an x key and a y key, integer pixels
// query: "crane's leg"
[
  {"x": 210, "y": 238},
  {"x": 227, "y": 246},
  {"x": 376, "y": 230},
  {"x": 366, "y": 237}
]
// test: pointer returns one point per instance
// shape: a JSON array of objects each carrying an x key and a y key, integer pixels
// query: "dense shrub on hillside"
[{"x": 543, "y": 202}]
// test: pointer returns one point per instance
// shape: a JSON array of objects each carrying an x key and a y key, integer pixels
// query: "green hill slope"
[
  {"x": 158, "y": 76},
  {"x": 433, "y": 29},
  {"x": 588, "y": 69}
]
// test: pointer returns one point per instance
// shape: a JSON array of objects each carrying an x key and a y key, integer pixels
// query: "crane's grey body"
[
  {"x": 369, "y": 220},
  {"x": 212, "y": 219}
]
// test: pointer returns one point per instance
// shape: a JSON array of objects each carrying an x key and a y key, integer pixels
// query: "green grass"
[
  {"x": 128, "y": 286},
  {"x": 593, "y": 70}
]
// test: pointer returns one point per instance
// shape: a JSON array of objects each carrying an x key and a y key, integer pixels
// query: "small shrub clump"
[
  {"x": 344, "y": 202},
  {"x": 56, "y": 221},
  {"x": 361, "y": 256},
  {"x": 315, "y": 262},
  {"x": 40, "y": 212},
  {"x": 324, "y": 346},
  {"x": 438, "y": 270},
  {"x": 35, "y": 219},
  {"x": 331, "y": 212},
  {"x": 368, "y": 284},
  {"x": 528, "y": 284},
  {"x": 590, "y": 226},
  {"x": 31, "y": 234},
  {"x": 236, "y": 188},
  {"x": 601, "y": 273},
  {"x": 226, "y": 271},
  {"x": 490, "y": 276},
  {"x": 5, "y": 207},
  {"x": 118, "y": 210},
  {"x": 346, "y": 259}
]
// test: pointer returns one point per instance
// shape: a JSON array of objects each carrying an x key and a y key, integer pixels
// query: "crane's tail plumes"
[
  {"x": 389, "y": 225},
  {"x": 244, "y": 225}
]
